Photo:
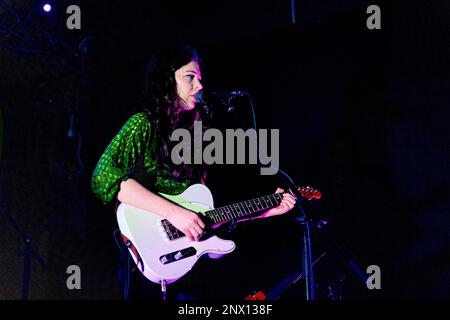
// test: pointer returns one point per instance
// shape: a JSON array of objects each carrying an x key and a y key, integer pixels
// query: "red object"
[{"x": 257, "y": 296}]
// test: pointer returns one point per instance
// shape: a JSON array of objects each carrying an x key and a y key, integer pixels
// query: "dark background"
[{"x": 363, "y": 116}]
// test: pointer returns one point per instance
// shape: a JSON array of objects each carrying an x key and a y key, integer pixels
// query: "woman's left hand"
[{"x": 286, "y": 204}]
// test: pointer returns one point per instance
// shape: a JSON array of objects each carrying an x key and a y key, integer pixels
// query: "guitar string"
[
  {"x": 227, "y": 212},
  {"x": 232, "y": 210}
]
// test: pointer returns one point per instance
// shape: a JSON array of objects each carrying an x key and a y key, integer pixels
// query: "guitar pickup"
[{"x": 177, "y": 255}]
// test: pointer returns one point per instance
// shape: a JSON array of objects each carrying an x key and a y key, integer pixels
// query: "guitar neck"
[{"x": 244, "y": 208}]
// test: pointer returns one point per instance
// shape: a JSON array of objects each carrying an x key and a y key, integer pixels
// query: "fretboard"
[{"x": 244, "y": 208}]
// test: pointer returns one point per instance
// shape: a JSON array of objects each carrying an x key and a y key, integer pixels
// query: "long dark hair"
[{"x": 159, "y": 99}]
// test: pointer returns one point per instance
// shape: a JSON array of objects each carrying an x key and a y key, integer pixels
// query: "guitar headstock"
[{"x": 309, "y": 193}]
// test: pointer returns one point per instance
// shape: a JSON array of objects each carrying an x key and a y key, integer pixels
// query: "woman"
[{"x": 137, "y": 165}]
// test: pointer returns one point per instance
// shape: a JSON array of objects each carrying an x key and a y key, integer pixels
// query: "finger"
[
  {"x": 201, "y": 223},
  {"x": 284, "y": 206},
  {"x": 197, "y": 235},
  {"x": 190, "y": 237},
  {"x": 289, "y": 196},
  {"x": 195, "y": 225},
  {"x": 198, "y": 230},
  {"x": 188, "y": 234},
  {"x": 289, "y": 205},
  {"x": 279, "y": 190},
  {"x": 290, "y": 201}
]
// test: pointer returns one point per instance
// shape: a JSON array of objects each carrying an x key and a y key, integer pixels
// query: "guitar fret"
[
  {"x": 229, "y": 213},
  {"x": 225, "y": 211},
  {"x": 219, "y": 211},
  {"x": 259, "y": 207},
  {"x": 225, "y": 214},
  {"x": 258, "y": 204},
  {"x": 261, "y": 204},
  {"x": 243, "y": 208},
  {"x": 232, "y": 213},
  {"x": 212, "y": 215},
  {"x": 265, "y": 204},
  {"x": 222, "y": 214},
  {"x": 218, "y": 216},
  {"x": 236, "y": 210},
  {"x": 251, "y": 206},
  {"x": 273, "y": 198}
]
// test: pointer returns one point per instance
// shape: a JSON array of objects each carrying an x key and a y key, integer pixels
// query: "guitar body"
[{"x": 161, "y": 256}]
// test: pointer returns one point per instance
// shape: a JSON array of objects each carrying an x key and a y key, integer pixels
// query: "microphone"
[{"x": 218, "y": 96}]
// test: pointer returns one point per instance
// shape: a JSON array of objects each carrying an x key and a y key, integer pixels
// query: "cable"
[
  {"x": 72, "y": 133},
  {"x": 126, "y": 286},
  {"x": 79, "y": 155},
  {"x": 127, "y": 279},
  {"x": 253, "y": 109}
]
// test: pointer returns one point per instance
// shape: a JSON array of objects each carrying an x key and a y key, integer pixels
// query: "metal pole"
[{"x": 293, "y": 18}]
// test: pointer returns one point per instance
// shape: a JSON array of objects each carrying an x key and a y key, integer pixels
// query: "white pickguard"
[{"x": 143, "y": 229}]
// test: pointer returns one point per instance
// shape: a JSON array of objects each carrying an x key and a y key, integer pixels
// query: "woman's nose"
[{"x": 198, "y": 86}]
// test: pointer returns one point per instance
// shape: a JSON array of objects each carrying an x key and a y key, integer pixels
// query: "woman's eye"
[{"x": 190, "y": 77}]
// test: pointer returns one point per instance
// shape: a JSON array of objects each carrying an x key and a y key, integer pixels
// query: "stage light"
[{"x": 47, "y": 7}]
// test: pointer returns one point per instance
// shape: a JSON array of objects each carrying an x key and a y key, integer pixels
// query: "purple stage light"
[{"x": 47, "y": 7}]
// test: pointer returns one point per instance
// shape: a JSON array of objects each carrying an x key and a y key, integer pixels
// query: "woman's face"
[{"x": 188, "y": 84}]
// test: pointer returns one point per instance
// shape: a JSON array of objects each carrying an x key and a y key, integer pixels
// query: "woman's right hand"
[{"x": 187, "y": 222}]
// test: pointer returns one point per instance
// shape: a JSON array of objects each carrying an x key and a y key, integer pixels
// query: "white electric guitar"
[{"x": 162, "y": 253}]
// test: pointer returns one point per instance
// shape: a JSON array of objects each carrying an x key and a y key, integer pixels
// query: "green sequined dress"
[{"x": 131, "y": 154}]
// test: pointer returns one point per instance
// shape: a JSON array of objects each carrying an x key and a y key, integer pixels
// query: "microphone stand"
[
  {"x": 28, "y": 253},
  {"x": 302, "y": 219},
  {"x": 342, "y": 252}
]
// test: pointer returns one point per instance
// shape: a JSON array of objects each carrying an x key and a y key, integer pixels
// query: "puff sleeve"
[{"x": 119, "y": 159}]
